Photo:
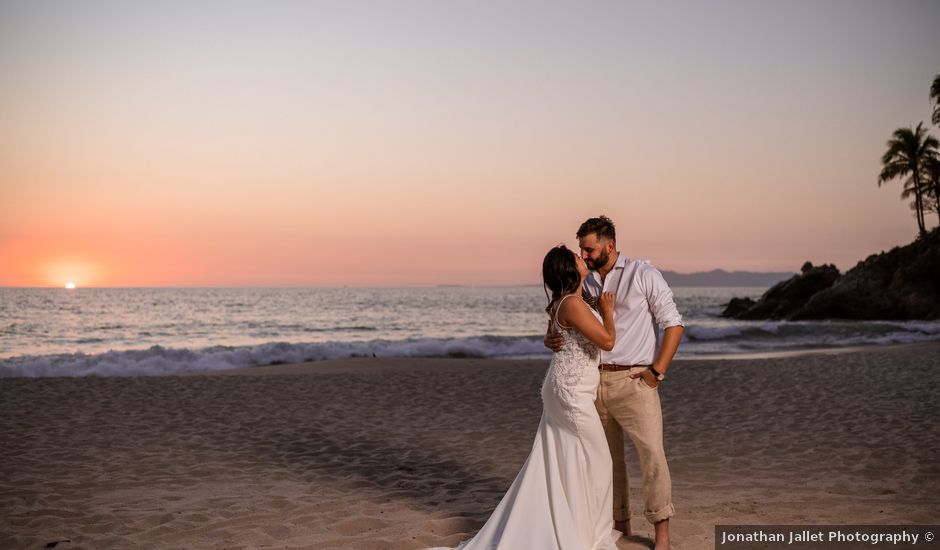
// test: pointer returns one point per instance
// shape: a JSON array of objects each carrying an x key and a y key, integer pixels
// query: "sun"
[{"x": 69, "y": 285}]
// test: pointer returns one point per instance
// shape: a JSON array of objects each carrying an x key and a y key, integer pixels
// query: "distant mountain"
[{"x": 720, "y": 277}]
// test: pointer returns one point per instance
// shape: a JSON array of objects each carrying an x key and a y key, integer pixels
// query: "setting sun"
[{"x": 69, "y": 285}]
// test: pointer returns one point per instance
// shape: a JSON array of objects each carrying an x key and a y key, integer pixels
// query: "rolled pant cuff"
[{"x": 659, "y": 515}]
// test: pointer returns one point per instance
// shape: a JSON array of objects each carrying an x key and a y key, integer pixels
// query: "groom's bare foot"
[
  {"x": 623, "y": 527},
  {"x": 662, "y": 535}
]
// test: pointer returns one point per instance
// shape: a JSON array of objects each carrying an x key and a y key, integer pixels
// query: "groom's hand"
[
  {"x": 648, "y": 378},
  {"x": 553, "y": 340}
]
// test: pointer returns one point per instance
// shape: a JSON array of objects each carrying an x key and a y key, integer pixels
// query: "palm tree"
[
  {"x": 933, "y": 175},
  {"x": 909, "y": 152},
  {"x": 935, "y": 96}
]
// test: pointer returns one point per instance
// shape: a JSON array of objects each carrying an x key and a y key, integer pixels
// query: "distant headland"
[{"x": 720, "y": 277}]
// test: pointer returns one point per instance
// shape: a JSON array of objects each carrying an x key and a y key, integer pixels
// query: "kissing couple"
[{"x": 603, "y": 380}]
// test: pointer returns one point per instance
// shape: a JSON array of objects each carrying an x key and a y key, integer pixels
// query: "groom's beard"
[{"x": 600, "y": 262}]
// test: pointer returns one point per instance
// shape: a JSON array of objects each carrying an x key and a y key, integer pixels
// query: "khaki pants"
[{"x": 631, "y": 406}]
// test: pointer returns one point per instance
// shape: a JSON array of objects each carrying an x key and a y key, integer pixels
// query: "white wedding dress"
[{"x": 562, "y": 499}]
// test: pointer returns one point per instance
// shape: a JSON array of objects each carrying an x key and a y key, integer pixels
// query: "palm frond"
[
  {"x": 935, "y": 96},
  {"x": 893, "y": 170},
  {"x": 931, "y": 144},
  {"x": 908, "y": 150}
]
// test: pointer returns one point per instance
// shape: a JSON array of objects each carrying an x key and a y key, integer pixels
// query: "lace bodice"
[
  {"x": 577, "y": 347},
  {"x": 576, "y": 344},
  {"x": 569, "y": 365}
]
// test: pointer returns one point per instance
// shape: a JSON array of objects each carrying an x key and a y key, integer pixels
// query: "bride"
[{"x": 562, "y": 499}]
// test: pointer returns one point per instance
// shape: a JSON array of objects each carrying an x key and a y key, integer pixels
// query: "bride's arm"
[{"x": 577, "y": 314}]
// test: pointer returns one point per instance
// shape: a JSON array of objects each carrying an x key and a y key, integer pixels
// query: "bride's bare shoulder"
[{"x": 570, "y": 307}]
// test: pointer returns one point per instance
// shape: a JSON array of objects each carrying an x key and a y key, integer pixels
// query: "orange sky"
[{"x": 436, "y": 143}]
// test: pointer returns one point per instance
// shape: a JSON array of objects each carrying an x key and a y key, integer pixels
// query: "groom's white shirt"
[{"x": 644, "y": 303}]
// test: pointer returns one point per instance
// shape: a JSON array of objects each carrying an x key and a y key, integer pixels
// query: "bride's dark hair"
[{"x": 559, "y": 274}]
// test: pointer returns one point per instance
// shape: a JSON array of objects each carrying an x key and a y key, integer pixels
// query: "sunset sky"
[{"x": 412, "y": 143}]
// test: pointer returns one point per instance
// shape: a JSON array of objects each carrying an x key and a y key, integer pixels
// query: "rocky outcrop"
[
  {"x": 901, "y": 284},
  {"x": 785, "y": 298},
  {"x": 737, "y": 306}
]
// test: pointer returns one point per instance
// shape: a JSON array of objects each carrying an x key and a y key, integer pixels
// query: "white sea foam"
[
  {"x": 158, "y": 360},
  {"x": 701, "y": 341}
]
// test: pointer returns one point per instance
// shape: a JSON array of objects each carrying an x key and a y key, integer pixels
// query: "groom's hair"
[{"x": 602, "y": 226}]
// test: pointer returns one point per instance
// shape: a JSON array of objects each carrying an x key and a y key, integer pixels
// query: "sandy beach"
[{"x": 407, "y": 453}]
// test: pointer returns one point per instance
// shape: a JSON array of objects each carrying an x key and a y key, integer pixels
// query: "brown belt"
[{"x": 610, "y": 367}]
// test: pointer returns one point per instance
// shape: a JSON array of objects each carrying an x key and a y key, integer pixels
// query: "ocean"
[{"x": 152, "y": 331}]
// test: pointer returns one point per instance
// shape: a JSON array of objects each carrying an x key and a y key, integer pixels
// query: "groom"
[{"x": 627, "y": 397}]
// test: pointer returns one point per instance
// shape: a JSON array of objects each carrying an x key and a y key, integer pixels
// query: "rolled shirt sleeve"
[{"x": 659, "y": 295}]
